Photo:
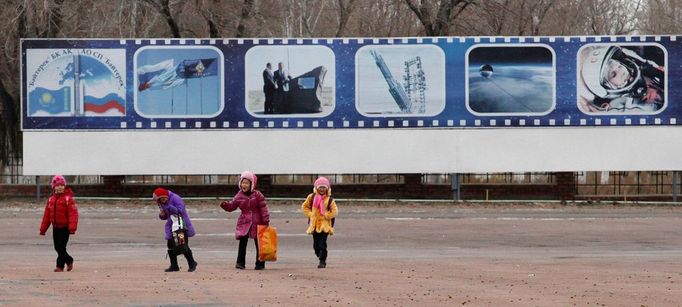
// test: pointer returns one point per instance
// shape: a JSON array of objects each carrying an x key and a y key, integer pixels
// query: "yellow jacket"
[{"x": 318, "y": 222}]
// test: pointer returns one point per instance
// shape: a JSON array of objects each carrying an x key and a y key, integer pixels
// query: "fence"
[
  {"x": 586, "y": 185},
  {"x": 624, "y": 184}
]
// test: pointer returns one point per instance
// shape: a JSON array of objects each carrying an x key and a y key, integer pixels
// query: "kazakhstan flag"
[{"x": 46, "y": 102}]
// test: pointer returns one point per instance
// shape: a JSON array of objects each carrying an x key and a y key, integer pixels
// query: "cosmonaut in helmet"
[{"x": 618, "y": 79}]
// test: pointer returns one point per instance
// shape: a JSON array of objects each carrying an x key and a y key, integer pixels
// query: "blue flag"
[
  {"x": 197, "y": 68},
  {"x": 166, "y": 74},
  {"x": 46, "y": 102}
]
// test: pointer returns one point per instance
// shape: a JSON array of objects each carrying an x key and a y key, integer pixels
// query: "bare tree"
[
  {"x": 345, "y": 9},
  {"x": 661, "y": 17},
  {"x": 615, "y": 17},
  {"x": 506, "y": 17},
  {"x": 311, "y": 11},
  {"x": 436, "y": 16},
  {"x": 54, "y": 19},
  {"x": 15, "y": 14},
  {"x": 306, "y": 18},
  {"x": 164, "y": 8},
  {"x": 594, "y": 17},
  {"x": 213, "y": 30},
  {"x": 384, "y": 18},
  {"x": 248, "y": 10},
  {"x": 137, "y": 18}
]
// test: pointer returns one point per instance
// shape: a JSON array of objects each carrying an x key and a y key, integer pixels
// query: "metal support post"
[
  {"x": 675, "y": 175},
  {"x": 37, "y": 189},
  {"x": 455, "y": 186}
]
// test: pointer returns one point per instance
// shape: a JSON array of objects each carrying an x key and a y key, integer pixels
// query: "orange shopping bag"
[{"x": 267, "y": 243}]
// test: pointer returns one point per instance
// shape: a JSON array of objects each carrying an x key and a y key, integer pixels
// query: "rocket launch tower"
[{"x": 410, "y": 97}]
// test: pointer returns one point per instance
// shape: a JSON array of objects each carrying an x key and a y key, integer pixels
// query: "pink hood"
[{"x": 251, "y": 177}]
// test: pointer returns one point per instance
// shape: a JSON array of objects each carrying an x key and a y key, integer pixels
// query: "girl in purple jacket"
[
  {"x": 254, "y": 211},
  {"x": 171, "y": 204}
]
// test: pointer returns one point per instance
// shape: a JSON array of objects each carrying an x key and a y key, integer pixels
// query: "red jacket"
[{"x": 61, "y": 212}]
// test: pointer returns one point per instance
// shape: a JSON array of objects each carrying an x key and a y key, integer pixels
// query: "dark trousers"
[
  {"x": 320, "y": 245},
  {"x": 60, "y": 237},
  {"x": 281, "y": 103},
  {"x": 174, "y": 257},
  {"x": 241, "y": 254},
  {"x": 269, "y": 101}
]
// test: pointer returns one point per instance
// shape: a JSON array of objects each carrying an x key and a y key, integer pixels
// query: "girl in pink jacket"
[{"x": 254, "y": 211}]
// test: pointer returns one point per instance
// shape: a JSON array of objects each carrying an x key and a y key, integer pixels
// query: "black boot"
[
  {"x": 259, "y": 265},
  {"x": 323, "y": 259},
  {"x": 190, "y": 262},
  {"x": 173, "y": 262}
]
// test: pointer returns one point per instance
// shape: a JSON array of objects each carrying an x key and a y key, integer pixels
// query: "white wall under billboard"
[{"x": 352, "y": 151}]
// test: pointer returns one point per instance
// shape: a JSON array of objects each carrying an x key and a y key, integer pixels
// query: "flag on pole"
[
  {"x": 197, "y": 68},
  {"x": 162, "y": 75}
]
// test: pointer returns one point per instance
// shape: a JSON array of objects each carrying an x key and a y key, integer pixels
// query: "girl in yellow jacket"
[{"x": 321, "y": 210}]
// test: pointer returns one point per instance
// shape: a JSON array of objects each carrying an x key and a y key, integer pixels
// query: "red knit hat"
[
  {"x": 160, "y": 192},
  {"x": 57, "y": 180}
]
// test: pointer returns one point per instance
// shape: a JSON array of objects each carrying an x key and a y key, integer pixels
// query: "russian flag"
[
  {"x": 109, "y": 105},
  {"x": 162, "y": 75}
]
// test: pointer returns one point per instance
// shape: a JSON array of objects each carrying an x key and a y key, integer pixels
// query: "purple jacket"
[
  {"x": 174, "y": 206},
  {"x": 254, "y": 212}
]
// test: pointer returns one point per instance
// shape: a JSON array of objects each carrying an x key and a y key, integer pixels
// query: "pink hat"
[
  {"x": 250, "y": 176},
  {"x": 58, "y": 180},
  {"x": 322, "y": 181}
]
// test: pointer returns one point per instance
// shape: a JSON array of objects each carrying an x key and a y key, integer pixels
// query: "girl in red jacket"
[{"x": 62, "y": 213}]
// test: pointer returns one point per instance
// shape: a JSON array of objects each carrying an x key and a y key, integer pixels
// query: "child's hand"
[
  {"x": 224, "y": 204},
  {"x": 42, "y": 233}
]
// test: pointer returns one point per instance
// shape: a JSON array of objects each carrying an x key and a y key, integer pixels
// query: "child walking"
[
  {"x": 62, "y": 213},
  {"x": 254, "y": 211},
  {"x": 321, "y": 210},
  {"x": 171, "y": 207}
]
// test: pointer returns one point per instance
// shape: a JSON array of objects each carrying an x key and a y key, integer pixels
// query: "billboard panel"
[{"x": 436, "y": 89}]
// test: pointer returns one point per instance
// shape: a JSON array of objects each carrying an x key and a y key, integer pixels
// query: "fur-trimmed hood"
[{"x": 249, "y": 176}]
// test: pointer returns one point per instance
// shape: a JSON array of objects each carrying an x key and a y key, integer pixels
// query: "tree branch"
[
  {"x": 345, "y": 10},
  {"x": 54, "y": 20},
  {"x": 247, "y": 12},
  {"x": 166, "y": 12}
]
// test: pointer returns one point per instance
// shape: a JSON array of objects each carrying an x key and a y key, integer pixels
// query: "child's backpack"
[{"x": 329, "y": 203}]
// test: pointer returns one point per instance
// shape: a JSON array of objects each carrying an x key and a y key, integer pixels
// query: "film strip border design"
[{"x": 352, "y": 118}]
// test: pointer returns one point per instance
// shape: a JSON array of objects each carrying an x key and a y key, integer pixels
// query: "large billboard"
[{"x": 413, "y": 88}]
